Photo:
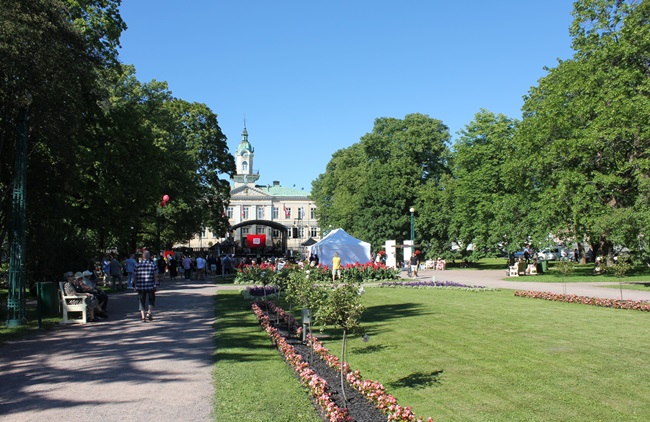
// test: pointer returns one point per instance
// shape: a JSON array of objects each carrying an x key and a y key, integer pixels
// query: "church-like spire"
[{"x": 244, "y": 161}]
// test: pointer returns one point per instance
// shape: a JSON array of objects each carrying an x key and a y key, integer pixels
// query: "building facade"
[{"x": 284, "y": 215}]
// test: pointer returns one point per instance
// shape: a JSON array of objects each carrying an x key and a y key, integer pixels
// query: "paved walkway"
[
  {"x": 123, "y": 369},
  {"x": 497, "y": 278},
  {"x": 120, "y": 369}
]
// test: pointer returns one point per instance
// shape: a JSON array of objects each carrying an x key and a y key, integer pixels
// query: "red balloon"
[{"x": 166, "y": 198}]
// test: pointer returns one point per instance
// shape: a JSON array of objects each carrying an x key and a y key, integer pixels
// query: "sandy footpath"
[{"x": 121, "y": 368}]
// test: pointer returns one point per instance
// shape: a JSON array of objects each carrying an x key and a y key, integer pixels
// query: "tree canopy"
[
  {"x": 369, "y": 187},
  {"x": 103, "y": 147},
  {"x": 574, "y": 169},
  {"x": 585, "y": 133}
]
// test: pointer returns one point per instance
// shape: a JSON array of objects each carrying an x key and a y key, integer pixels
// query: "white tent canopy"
[{"x": 350, "y": 249}]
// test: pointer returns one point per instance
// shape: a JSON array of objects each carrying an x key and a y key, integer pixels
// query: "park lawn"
[
  {"x": 30, "y": 328},
  {"x": 252, "y": 381},
  {"x": 490, "y": 356}
]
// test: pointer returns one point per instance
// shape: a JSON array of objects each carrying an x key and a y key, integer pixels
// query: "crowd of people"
[{"x": 144, "y": 275}]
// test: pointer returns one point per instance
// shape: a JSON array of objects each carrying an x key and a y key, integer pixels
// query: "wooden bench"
[{"x": 68, "y": 305}]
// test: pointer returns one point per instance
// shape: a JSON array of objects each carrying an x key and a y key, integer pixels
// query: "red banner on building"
[{"x": 256, "y": 240}]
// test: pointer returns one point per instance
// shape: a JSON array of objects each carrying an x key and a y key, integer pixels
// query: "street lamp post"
[
  {"x": 412, "y": 210},
  {"x": 159, "y": 211},
  {"x": 16, "y": 298}
]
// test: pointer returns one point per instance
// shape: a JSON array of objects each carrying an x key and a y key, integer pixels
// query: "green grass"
[
  {"x": 457, "y": 355},
  {"x": 28, "y": 329},
  {"x": 253, "y": 383}
]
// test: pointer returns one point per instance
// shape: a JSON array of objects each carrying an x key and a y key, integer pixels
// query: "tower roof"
[{"x": 244, "y": 145}]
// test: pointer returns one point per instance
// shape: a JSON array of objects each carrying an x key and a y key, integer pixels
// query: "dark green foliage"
[
  {"x": 368, "y": 188},
  {"x": 103, "y": 147}
]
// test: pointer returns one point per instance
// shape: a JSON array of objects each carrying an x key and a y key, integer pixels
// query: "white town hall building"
[{"x": 273, "y": 214}]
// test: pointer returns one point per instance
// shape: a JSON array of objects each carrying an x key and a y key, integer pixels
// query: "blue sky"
[{"x": 311, "y": 77}]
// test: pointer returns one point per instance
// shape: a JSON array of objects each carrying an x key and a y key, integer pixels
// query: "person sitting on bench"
[
  {"x": 98, "y": 296},
  {"x": 69, "y": 288}
]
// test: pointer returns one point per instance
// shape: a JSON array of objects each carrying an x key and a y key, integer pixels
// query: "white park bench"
[
  {"x": 69, "y": 304},
  {"x": 518, "y": 269}
]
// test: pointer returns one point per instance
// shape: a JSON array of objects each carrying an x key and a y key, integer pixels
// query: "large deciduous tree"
[
  {"x": 585, "y": 135},
  {"x": 369, "y": 187},
  {"x": 103, "y": 147},
  {"x": 483, "y": 187},
  {"x": 50, "y": 69}
]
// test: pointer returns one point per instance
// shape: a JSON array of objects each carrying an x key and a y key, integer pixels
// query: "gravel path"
[
  {"x": 119, "y": 369},
  {"x": 498, "y": 278}
]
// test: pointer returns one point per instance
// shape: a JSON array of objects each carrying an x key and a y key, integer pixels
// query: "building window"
[
  {"x": 289, "y": 233},
  {"x": 260, "y": 230},
  {"x": 301, "y": 213},
  {"x": 276, "y": 233},
  {"x": 276, "y": 213},
  {"x": 312, "y": 213},
  {"x": 314, "y": 231},
  {"x": 244, "y": 231},
  {"x": 260, "y": 213},
  {"x": 230, "y": 212},
  {"x": 244, "y": 212},
  {"x": 301, "y": 232},
  {"x": 244, "y": 166},
  {"x": 287, "y": 212}
]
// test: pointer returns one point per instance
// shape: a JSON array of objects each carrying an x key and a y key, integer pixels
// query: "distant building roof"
[{"x": 277, "y": 190}]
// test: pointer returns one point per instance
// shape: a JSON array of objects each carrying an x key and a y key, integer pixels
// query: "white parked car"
[{"x": 554, "y": 253}]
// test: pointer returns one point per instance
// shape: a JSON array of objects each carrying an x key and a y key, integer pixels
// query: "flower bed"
[
  {"x": 370, "y": 271},
  {"x": 585, "y": 300},
  {"x": 372, "y": 390},
  {"x": 435, "y": 284},
  {"x": 317, "y": 386}
]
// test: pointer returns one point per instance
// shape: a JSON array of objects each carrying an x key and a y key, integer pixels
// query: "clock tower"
[{"x": 244, "y": 162}]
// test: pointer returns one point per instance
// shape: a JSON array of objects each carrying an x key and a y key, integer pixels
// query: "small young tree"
[
  {"x": 620, "y": 267},
  {"x": 342, "y": 307},
  {"x": 303, "y": 291},
  {"x": 565, "y": 267}
]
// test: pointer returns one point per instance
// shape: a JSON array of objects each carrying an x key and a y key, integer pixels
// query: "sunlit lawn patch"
[
  {"x": 462, "y": 356},
  {"x": 252, "y": 382}
]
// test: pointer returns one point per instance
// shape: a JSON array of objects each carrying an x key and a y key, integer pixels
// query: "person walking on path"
[
  {"x": 336, "y": 266},
  {"x": 146, "y": 280},
  {"x": 187, "y": 267},
  {"x": 130, "y": 269},
  {"x": 116, "y": 273},
  {"x": 415, "y": 263},
  {"x": 200, "y": 268},
  {"x": 226, "y": 263}
]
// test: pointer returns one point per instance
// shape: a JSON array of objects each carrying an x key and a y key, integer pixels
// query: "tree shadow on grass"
[
  {"x": 371, "y": 349},
  {"x": 418, "y": 380},
  {"x": 381, "y": 313}
]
